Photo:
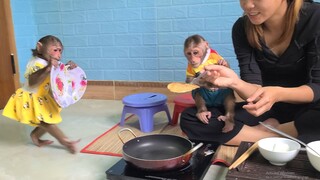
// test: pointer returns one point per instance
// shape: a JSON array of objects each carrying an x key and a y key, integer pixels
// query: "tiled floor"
[{"x": 87, "y": 119}]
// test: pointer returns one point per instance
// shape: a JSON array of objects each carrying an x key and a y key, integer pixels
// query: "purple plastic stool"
[{"x": 145, "y": 105}]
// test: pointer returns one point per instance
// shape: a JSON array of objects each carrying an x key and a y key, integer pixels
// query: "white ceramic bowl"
[
  {"x": 312, "y": 156},
  {"x": 278, "y": 151}
]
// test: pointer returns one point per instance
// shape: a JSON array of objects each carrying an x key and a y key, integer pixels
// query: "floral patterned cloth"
[{"x": 67, "y": 85}]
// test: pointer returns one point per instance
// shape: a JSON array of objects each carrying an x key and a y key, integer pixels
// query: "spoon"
[
  {"x": 194, "y": 149},
  {"x": 287, "y": 135}
]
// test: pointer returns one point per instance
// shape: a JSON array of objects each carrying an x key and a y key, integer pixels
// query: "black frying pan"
[{"x": 158, "y": 151}]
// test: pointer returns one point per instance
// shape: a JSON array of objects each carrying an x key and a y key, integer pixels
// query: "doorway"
[{"x": 9, "y": 71}]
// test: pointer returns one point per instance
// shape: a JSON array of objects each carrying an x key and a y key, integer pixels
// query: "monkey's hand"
[
  {"x": 71, "y": 65},
  {"x": 228, "y": 126},
  {"x": 53, "y": 62},
  {"x": 204, "y": 116},
  {"x": 199, "y": 80},
  {"x": 222, "y": 118},
  {"x": 223, "y": 62}
]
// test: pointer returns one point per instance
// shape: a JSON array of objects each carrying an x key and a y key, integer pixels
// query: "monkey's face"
[
  {"x": 54, "y": 51},
  {"x": 196, "y": 53}
]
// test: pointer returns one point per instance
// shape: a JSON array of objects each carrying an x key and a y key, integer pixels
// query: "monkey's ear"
[
  {"x": 39, "y": 46},
  {"x": 206, "y": 44}
]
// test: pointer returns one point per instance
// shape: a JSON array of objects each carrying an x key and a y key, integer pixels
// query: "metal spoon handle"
[
  {"x": 194, "y": 148},
  {"x": 288, "y": 136},
  {"x": 282, "y": 133}
]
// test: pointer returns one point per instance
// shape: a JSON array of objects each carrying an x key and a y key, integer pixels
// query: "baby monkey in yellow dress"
[{"x": 33, "y": 103}]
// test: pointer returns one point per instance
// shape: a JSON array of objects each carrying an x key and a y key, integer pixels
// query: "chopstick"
[{"x": 244, "y": 156}]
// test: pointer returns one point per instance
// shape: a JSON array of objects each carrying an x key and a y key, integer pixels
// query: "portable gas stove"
[{"x": 195, "y": 170}]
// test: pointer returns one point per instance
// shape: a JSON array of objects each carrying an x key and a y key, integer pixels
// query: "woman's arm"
[
  {"x": 224, "y": 77},
  {"x": 296, "y": 95},
  {"x": 265, "y": 97},
  {"x": 260, "y": 99}
]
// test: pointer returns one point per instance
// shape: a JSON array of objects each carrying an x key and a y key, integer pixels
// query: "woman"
[{"x": 277, "y": 43}]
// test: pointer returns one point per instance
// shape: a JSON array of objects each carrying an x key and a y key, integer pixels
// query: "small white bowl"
[
  {"x": 278, "y": 151},
  {"x": 312, "y": 156}
]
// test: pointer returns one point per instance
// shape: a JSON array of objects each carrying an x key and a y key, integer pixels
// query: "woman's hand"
[
  {"x": 220, "y": 76},
  {"x": 262, "y": 100}
]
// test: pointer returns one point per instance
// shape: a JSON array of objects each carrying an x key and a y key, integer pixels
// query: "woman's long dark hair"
[{"x": 255, "y": 32}]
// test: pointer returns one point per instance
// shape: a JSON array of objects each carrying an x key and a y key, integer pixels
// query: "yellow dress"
[{"x": 33, "y": 105}]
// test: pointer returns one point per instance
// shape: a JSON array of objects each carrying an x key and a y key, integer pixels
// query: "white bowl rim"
[
  {"x": 313, "y": 142},
  {"x": 296, "y": 144},
  {"x": 312, "y": 145}
]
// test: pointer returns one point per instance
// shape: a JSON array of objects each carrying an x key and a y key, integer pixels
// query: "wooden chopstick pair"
[{"x": 244, "y": 156}]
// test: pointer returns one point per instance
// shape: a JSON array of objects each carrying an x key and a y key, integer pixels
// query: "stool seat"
[
  {"x": 144, "y": 99},
  {"x": 181, "y": 102},
  {"x": 145, "y": 105}
]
